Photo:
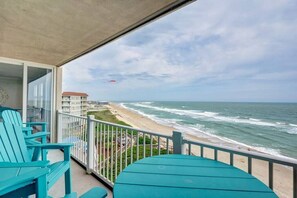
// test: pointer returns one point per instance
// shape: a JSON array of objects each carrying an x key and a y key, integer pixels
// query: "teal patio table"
[{"x": 186, "y": 176}]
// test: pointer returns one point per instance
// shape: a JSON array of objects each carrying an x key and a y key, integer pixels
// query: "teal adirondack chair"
[
  {"x": 5, "y": 108},
  {"x": 15, "y": 118},
  {"x": 14, "y": 151}
]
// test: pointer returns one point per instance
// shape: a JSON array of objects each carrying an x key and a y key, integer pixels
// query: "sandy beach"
[{"x": 283, "y": 178}]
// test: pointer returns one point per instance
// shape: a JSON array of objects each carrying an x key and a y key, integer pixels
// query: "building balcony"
[{"x": 113, "y": 147}]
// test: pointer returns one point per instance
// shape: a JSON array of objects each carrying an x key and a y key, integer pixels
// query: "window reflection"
[{"x": 39, "y": 104}]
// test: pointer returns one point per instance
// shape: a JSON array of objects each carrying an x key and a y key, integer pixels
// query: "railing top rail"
[
  {"x": 120, "y": 126},
  {"x": 261, "y": 156},
  {"x": 66, "y": 114},
  {"x": 132, "y": 128}
]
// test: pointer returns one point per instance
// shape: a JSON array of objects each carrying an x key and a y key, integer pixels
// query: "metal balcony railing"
[{"x": 105, "y": 149}]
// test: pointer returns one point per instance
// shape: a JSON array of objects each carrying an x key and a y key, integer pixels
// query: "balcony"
[
  {"x": 105, "y": 149},
  {"x": 66, "y": 104},
  {"x": 81, "y": 181}
]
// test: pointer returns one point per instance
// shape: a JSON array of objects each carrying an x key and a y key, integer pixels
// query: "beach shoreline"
[
  {"x": 143, "y": 122},
  {"x": 136, "y": 120}
]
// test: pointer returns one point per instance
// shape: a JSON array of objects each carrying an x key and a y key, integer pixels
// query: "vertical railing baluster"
[
  {"x": 167, "y": 145},
  {"x": 201, "y": 151},
  {"x": 151, "y": 145},
  {"x": 216, "y": 154},
  {"x": 81, "y": 154},
  {"x": 86, "y": 140},
  {"x": 116, "y": 153},
  {"x": 108, "y": 155},
  {"x": 121, "y": 150},
  {"x": 189, "y": 149},
  {"x": 159, "y": 147},
  {"x": 83, "y": 142},
  {"x": 72, "y": 123},
  {"x": 100, "y": 150},
  {"x": 295, "y": 181},
  {"x": 126, "y": 148},
  {"x": 97, "y": 147},
  {"x": 131, "y": 146},
  {"x": 79, "y": 129},
  {"x": 250, "y": 166},
  {"x": 104, "y": 150},
  {"x": 231, "y": 159},
  {"x": 137, "y": 145},
  {"x": 111, "y": 161},
  {"x": 143, "y": 145},
  {"x": 270, "y": 170}
]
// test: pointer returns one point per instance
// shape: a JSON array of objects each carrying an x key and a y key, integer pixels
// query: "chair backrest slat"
[
  {"x": 12, "y": 117},
  {"x": 13, "y": 147},
  {"x": 1, "y": 157}
]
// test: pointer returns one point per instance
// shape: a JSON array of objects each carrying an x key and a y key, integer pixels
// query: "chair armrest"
[
  {"x": 37, "y": 135},
  {"x": 52, "y": 146},
  {"x": 35, "y": 123},
  {"x": 27, "y": 130},
  {"x": 24, "y": 164}
]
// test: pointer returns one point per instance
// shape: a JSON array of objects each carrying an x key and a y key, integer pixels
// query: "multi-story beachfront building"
[{"x": 74, "y": 103}]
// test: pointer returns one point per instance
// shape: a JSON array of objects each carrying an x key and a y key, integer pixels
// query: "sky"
[{"x": 210, "y": 50}]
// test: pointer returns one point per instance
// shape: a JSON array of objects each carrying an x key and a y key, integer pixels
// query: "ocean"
[{"x": 266, "y": 127}]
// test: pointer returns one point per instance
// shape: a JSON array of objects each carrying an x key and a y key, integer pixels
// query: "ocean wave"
[
  {"x": 207, "y": 114},
  {"x": 200, "y": 130},
  {"x": 150, "y": 116},
  {"x": 234, "y": 143},
  {"x": 292, "y": 131}
]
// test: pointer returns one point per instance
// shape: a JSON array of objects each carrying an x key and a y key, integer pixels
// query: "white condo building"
[{"x": 74, "y": 103}]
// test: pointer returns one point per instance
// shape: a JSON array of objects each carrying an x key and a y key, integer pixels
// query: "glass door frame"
[{"x": 25, "y": 65}]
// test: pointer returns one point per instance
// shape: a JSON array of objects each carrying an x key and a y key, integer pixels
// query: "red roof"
[{"x": 74, "y": 94}]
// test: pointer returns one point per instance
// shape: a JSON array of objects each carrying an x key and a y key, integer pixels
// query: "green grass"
[
  {"x": 147, "y": 154},
  {"x": 107, "y": 116}
]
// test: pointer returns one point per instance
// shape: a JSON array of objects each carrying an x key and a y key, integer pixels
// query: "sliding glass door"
[
  {"x": 29, "y": 89},
  {"x": 40, "y": 95}
]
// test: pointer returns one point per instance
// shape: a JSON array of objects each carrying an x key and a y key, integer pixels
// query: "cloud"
[{"x": 206, "y": 42}]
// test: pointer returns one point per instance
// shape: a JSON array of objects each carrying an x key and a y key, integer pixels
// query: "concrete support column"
[{"x": 57, "y": 103}]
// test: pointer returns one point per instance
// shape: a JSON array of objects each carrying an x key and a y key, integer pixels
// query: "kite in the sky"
[{"x": 112, "y": 81}]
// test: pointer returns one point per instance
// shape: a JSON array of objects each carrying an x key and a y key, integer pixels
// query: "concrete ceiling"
[{"x": 55, "y": 32}]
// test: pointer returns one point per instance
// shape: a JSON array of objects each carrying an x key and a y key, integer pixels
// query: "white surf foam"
[
  {"x": 193, "y": 130},
  {"x": 208, "y": 115}
]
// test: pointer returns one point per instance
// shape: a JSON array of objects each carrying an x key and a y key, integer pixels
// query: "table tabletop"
[
  {"x": 12, "y": 178},
  {"x": 186, "y": 176}
]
